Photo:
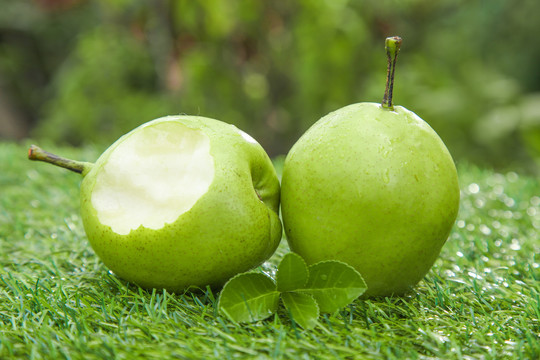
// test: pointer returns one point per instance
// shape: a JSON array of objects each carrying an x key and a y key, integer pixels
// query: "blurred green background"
[{"x": 85, "y": 72}]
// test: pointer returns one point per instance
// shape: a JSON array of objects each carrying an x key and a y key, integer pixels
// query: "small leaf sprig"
[{"x": 305, "y": 292}]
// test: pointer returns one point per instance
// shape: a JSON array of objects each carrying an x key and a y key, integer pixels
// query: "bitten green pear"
[
  {"x": 179, "y": 202},
  {"x": 374, "y": 186}
]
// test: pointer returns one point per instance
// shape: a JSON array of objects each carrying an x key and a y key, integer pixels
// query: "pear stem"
[
  {"x": 38, "y": 154},
  {"x": 391, "y": 45}
]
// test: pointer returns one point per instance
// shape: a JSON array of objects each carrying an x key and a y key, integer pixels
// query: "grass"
[{"x": 481, "y": 300}]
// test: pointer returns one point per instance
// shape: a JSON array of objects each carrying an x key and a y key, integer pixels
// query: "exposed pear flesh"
[{"x": 152, "y": 177}]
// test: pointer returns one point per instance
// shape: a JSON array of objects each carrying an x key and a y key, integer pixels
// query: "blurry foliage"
[
  {"x": 88, "y": 71},
  {"x": 96, "y": 97}
]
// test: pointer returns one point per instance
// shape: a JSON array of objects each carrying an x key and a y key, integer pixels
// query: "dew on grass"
[
  {"x": 531, "y": 212},
  {"x": 474, "y": 275},
  {"x": 441, "y": 337},
  {"x": 470, "y": 227},
  {"x": 461, "y": 224},
  {"x": 514, "y": 245},
  {"x": 449, "y": 273},
  {"x": 535, "y": 201},
  {"x": 473, "y": 188},
  {"x": 484, "y": 229},
  {"x": 510, "y": 202},
  {"x": 269, "y": 269},
  {"x": 498, "y": 189},
  {"x": 479, "y": 203},
  {"x": 504, "y": 233},
  {"x": 271, "y": 273},
  {"x": 512, "y": 177}
]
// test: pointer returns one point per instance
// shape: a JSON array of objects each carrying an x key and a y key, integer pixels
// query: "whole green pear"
[
  {"x": 374, "y": 186},
  {"x": 179, "y": 202}
]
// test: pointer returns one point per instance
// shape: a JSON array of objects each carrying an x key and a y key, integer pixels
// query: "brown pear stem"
[
  {"x": 38, "y": 154},
  {"x": 392, "y": 45}
]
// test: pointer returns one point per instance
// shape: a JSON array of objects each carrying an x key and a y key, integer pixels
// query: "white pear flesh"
[
  {"x": 180, "y": 202},
  {"x": 153, "y": 177},
  {"x": 374, "y": 188}
]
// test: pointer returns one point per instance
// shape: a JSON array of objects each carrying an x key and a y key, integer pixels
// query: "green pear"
[
  {"x": 374, "y": 186},
  {"x": 179, "y": 202}
]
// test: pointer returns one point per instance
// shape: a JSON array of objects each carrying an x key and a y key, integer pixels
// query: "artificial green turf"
[{"x": 57, "y": 300}]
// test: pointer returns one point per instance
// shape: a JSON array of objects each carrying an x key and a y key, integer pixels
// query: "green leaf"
[
  {"x": 248, "y": 297},
  {"x": 292, "y": 273},
  {"x": 334, "y": 285},
  {"x": 302, "y": 307}
]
